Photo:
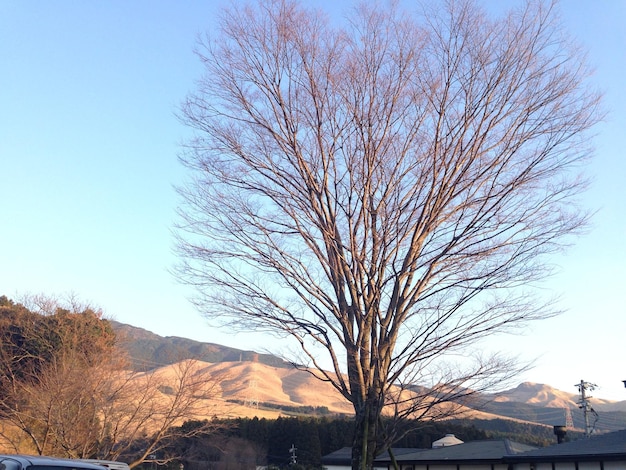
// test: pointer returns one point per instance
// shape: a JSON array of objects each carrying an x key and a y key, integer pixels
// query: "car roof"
[
  {"x": 28, "y": 460},
  {"x": 111, "y": 464}
]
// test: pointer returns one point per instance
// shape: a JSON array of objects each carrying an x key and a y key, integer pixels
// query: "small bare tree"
[
  {"x": 150, "y": 409},
  {"x": 66, "y": 390},
  {"x": 47, "y": 402},
  {"x": 385, "y": 191}
]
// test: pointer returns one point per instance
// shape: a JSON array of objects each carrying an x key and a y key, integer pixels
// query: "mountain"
[
  {"x": 537, "y": 394},
  {"x": 264, "y": 385},
  {"x": 546, "y": 396},
  {"x": 149, "y": 350}
]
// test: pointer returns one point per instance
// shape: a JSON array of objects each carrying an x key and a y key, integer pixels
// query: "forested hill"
[{"x": 149, "y": 350}]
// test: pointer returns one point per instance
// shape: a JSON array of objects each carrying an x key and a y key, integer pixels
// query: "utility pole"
[
  {"x": 584, "y": 404},
  {"x": 293, "y": 459}
]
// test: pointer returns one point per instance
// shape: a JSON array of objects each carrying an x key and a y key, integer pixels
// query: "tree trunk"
[{"x": 365, "y": 446}]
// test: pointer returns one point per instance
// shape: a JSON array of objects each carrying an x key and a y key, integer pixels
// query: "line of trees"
[
  {"x": 248, "y": 442},
  {"x": 66, "y": 389},
  {"x": 254, "y": 442}
]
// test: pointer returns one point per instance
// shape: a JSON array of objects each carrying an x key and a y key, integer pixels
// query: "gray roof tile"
[
  {"x": 475, "y": 451},
  {"x": 600, "y": 446}
]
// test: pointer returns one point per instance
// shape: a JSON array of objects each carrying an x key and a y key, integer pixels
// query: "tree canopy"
[{"x": 384, "y": 191}]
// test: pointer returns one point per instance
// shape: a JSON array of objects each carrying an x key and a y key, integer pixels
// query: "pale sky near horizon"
[{"x": 88, "y": 154}]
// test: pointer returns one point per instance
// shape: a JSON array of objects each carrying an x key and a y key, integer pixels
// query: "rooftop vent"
[{"x": 447, "y": 440}]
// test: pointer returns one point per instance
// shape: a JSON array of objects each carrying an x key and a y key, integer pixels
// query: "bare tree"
[
  {"x": 47, "y": 402},
  {"x": 385, "y": 191},
  {"x": 151, "y": 408},
  {"x": 67, "y": 390}
]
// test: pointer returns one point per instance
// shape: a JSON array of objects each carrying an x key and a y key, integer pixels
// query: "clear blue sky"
[{"x": 88, "y": 146}]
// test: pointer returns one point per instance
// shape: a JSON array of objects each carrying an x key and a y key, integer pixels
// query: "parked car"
[
  {"x": 40, "y": 462},
  {"x": 110, "y": 464}
]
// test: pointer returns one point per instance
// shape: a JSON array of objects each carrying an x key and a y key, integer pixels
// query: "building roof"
[
  {"x": 603, "y": 446},
  {"x": 475, "y": 452},
  {"x": 338, "y": 457},
  {"x": 343, "y": 456}
]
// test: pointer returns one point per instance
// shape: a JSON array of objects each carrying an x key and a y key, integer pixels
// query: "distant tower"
[{"x": 583, "y": 404}]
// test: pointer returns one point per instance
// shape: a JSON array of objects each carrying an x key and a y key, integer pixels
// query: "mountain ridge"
[
  {"x": 149, "y": 350},
  {"x": 262, "y": 378}
]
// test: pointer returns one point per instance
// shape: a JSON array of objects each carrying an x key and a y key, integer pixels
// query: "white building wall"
[
  {"x": 433, "y": 467},
  {"x": 337, "y": 467},
  {"x": 454, "y": 467},
  {"x": 563, "y": 466},
  {"x": 476, "y": 467},
  {"x": 615, "y": 465},
  {"x": 520, "y": 466},
  {"x": 589, "y": 466},
  {"x": 619, "y": 465},
  {"x": 347, "y": 467}
]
